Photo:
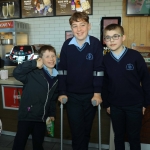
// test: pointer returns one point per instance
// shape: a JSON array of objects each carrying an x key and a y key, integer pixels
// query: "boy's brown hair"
[
  {"x": 114, "y": 27},
  {"x": 77, "y": 16},
  {"x": 45, "y": 48}
]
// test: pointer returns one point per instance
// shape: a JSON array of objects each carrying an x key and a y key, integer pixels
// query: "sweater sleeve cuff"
[
  {"x": 62, "y": 93},
  {"x": 34, "y": 63},
  {"x": 97, "y": 90}
]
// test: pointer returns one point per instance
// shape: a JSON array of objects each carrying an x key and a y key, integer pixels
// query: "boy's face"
[
  {"x": 114, "y": 39},
  {"x": 49, "y": 59},
  {"x": 80, "y": 30}
]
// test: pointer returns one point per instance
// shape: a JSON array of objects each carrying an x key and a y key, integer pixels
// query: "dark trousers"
[
  {"x": 24, "y": 129},
  {"x": 127, "y": 120},
  {"x": 80, "y": 114}
]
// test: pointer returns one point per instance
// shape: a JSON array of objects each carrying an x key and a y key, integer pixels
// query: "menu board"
[
  {"x": 37, "y": 8},
  {"x": 68, "y": 7},
  {"x": 9, "y": 9}
]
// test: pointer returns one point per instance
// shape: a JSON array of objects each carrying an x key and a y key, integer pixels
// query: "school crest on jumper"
[
  {"x": 89, "y": 56},
  {"x": 129, "y": 67}
]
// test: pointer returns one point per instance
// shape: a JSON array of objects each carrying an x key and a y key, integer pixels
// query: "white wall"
[{"x": 51, "y": 30}]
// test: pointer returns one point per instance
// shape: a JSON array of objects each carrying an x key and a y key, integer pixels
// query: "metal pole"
[
  {"x": 99, "y": 126},
  {"x": 61, "y": 126},
  {"x": 64, "y": 100},
  {"x": 94, "y": 103}
]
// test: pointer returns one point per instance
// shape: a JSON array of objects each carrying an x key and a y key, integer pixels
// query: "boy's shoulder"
[
  {"x": 129, "y": 52},
  {"x": 93, "y": 38},
  {"x": 107, "y": 55},
  {"x": 133, "y": 52},
  {"x": 68, "y": 40}
]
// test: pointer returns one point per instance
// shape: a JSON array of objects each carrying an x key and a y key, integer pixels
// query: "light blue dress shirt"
[
  {"x": 121, "y": 53},
  {"x": 54, "y": 71},
  {"x": 74, "y": 41}
]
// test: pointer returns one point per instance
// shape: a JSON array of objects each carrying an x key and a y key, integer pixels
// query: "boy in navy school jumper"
[
  {"x": 80, "y": 78},
  {"x": 38, "y": 100},
  {"x": 126, "y": 91}
]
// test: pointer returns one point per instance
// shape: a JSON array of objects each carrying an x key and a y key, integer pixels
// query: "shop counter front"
[{"x": 9, "y": 114}]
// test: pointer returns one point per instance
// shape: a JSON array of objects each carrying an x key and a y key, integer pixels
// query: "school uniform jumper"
[
  {"x": 38, "y": 101},
  {"x": 80, "y": 76},
  {"x": 126, "y": 90}
]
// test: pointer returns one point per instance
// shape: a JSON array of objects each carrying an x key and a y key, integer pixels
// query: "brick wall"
[{"x": 51, "y": 30}]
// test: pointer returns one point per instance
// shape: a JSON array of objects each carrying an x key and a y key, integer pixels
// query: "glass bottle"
[{"x": 73, "y": 5}]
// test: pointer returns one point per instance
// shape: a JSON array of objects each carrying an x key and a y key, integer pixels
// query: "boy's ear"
[
  {"x": 89, "y": 26},
  {"x": 123, "y": 37}
]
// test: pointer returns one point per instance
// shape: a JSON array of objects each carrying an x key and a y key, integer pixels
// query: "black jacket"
[{"x": 38, "y": 100}]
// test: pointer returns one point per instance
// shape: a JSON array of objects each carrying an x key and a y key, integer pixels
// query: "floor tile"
[
  {"x": 6, "y": 143},
  {"x": 65, "y": 147}
]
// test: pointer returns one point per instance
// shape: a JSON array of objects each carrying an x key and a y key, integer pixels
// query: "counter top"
[{"x": 11, "y": 80}]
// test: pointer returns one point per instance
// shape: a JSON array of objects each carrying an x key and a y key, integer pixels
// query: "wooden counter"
[
  {"x": 9, "y": 119},
  {"x": 11, "y": 81}
]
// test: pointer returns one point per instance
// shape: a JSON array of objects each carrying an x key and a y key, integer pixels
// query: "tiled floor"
[{"x": 6, "y": 143}]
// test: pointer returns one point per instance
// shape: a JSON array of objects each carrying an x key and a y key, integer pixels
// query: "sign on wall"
[
  {"x": 11, "y": 96},
  {"x": 9, "y": 9},
  {"x": 68, "y": 7},
  {"x": 105, "y": 21},
  {"x": 6, "y": 24},
  {"x": 37, "y": 8},
  {"x": 68, "y": 34}
]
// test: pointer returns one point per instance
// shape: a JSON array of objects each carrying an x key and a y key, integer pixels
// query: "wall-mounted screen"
[{"x": 138, "y": 7}]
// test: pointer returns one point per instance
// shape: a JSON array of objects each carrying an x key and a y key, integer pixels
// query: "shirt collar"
[
  {"x": 54, "y": 71},
  {"x": 74, "y": 41},
  {"x": 121, "y": 53}
]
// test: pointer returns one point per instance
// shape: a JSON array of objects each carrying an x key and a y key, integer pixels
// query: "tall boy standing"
[
  {"x": 126, "y": 91},
  {"x": 80, "y": 78}
]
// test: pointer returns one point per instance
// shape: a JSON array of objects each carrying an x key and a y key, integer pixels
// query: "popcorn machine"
[{"x": 12, "y": 33}]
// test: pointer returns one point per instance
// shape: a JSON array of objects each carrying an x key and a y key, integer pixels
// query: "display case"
[{"x": 12, "y": 33}]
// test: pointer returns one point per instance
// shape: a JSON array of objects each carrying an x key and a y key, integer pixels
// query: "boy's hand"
[
  {"x": 143, "y": 110},
  {"x": 61, "y": 97},
  {"x": 97, "y": 97},
  {"x": 108, "y": 110},
  {"x": 39, "y": 63},
  {"x": 52, "y": 118}
]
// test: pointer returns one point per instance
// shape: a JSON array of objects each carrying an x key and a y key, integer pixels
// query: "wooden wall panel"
[
  {"x": 131, "y": 30},
  {"x": 143, "y": 30},
  {"x": 137, "y": 29},
  {"x": 148, "y": 30},
  {"x": 126, "y": 30}
]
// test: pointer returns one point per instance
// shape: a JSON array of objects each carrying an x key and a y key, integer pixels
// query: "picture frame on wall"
[
  {"x": 68, "y": 7},
  {"x": 37, "y": 8},
  {"x": 68, "y": 34},
  {"x": 10, "y": 9},
  {"x": 11, "y": 100},
  {"x": 138, "y": 8},
  {"x": 105, "y": 21}
]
